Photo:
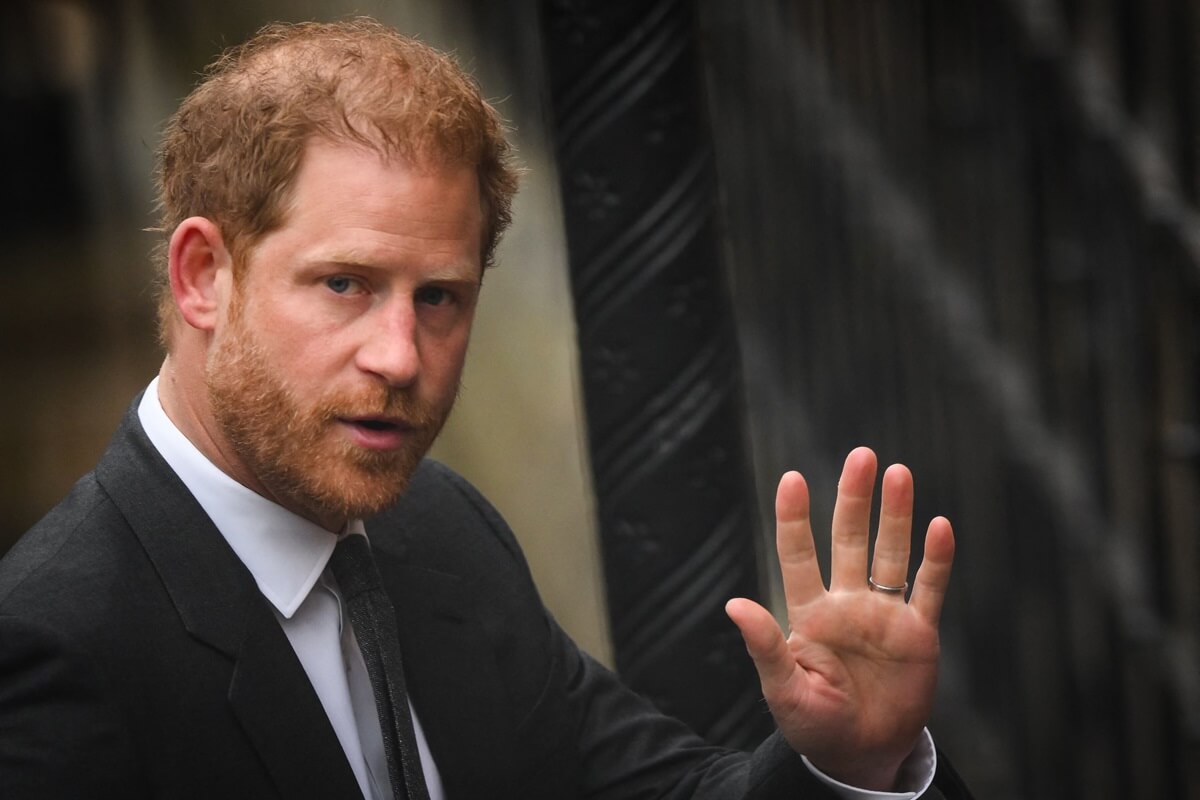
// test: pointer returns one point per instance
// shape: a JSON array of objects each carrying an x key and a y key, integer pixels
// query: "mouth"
[
  {"x": 377, "y": 433},
  {"x": 376, "y": 424}
]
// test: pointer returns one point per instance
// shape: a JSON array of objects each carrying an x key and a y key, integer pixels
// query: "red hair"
[{"x": 232, "y": 150}]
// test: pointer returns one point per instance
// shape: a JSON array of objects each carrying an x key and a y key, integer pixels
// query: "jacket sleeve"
[
  {"x": 583, "y": 732},
  {"x": 628, "y": 749}
]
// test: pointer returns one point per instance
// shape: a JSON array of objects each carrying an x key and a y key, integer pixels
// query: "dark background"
[{"x": 964, "y": 233}]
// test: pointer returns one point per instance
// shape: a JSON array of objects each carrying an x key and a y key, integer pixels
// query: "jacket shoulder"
[
  {"x": 70, "y": 546},
  {"x": 442, "y": 521}
]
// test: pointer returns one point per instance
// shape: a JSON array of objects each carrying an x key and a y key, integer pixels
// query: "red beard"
[{"x": 296, "y": 450}]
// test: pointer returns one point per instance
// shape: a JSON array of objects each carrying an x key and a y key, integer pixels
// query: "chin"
[{"x": 355, "y": 496}]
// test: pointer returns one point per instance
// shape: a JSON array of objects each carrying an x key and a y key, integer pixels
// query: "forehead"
[
  {"x": 329, "y": 165},
  {"x": 343, "y": 179},
  {"x": 350, "y": 196}
]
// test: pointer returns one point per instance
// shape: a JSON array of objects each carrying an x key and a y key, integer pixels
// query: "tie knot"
[{"x": 353, "y": 566}]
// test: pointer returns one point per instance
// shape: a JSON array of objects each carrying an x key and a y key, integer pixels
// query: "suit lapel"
[
  {"x": 282, "y": 716},
  {"x": 220, "y": 605},
  {"x": 452, "y": 676}
]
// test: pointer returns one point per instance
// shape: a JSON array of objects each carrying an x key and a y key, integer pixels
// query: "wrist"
[
  {"x": 874, "y": 777},
  {"x": 914, "y": 777}
]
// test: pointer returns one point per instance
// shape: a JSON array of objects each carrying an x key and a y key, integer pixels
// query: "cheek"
[
  {"x": 304, "y": 360},
  {"x": 448, "y": 357},
  {"x": 302, "y": 332}
]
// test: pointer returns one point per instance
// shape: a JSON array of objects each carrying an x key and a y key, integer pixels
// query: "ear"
[{"x": 201, "y": 271}]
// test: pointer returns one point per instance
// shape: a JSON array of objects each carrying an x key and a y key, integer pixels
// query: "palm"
[
  {"x": 852, "y": 685},
  {"x": 863, "y": 665}
]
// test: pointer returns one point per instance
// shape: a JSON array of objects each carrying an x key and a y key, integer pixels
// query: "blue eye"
[
  {"x": 433, "y": 296},
  {"x": 339, "y": 284}
]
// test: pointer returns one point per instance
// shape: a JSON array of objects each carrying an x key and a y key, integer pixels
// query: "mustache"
[{"x": 376, "y": 402}]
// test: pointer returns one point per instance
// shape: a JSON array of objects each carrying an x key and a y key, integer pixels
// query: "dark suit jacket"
[{"x": 138, "y": 659}]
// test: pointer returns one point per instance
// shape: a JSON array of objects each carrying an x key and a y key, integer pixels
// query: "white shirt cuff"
[{"x": 916, "y": 775}]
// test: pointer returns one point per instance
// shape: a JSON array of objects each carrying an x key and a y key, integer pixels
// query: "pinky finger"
[{"x": 933, "y": 578}]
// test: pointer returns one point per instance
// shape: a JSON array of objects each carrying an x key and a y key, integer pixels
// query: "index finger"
[{"x": 794, "y": 542}]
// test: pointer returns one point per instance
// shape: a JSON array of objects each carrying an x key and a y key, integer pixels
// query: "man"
[{"x": 190, "y": 620}]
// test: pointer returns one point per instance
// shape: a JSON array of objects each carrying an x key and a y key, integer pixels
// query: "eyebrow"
[{"x": 449, "y": 270}]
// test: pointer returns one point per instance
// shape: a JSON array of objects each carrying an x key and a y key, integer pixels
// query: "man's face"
[{"x": 339, "y": 357}]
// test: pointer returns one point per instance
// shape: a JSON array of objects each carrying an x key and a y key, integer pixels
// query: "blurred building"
[{"x": 965, "y": 234}]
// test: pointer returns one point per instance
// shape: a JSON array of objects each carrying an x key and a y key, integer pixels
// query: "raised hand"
[{"x": 851, "y": 685}]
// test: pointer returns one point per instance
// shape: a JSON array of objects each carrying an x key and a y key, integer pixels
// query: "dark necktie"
[{"x": 374, "y": 622}]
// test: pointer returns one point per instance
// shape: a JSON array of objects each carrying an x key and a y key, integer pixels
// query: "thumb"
[{"x": 765, "y": 643}]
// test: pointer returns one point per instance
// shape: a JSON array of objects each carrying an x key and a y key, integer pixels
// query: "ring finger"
[{"x": 889, "y": 564}]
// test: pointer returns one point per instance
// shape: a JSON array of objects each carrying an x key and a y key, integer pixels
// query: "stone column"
[{"x": 661, "y": 381}]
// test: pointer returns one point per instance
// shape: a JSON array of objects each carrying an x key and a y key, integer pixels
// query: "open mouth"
[
  {"x": 377, "y": 424},
  {"x": 378, "y": 433}
]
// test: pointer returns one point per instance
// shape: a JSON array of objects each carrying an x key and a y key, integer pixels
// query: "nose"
[{"x": 390, "y": 349}]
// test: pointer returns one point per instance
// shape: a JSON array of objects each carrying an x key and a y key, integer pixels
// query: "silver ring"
[{"x": 879, "y": 587}]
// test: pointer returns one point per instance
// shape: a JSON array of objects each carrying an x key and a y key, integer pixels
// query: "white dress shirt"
[{"x": 287, "y": 555}]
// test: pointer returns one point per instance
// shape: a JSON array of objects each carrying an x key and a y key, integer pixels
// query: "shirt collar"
[{"x": 284, "y": 552}]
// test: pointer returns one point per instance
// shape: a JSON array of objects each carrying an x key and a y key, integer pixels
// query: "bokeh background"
[{"x": 966, "y": 234}]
